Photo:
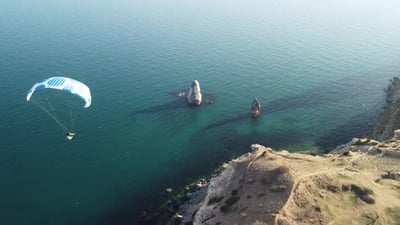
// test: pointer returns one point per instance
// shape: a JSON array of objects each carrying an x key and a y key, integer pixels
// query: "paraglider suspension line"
[
  {"x": 51, "y": 114},
  {"x": 73, "y": 118}
]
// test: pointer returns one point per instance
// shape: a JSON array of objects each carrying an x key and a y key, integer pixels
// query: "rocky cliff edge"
[{"x": 359, "y": 184}]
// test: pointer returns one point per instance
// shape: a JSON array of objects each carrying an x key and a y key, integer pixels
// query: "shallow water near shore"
[{"x": 318, "y": 69}]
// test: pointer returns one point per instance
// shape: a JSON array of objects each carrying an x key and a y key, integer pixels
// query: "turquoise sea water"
[{"x": 318, "y": 68}]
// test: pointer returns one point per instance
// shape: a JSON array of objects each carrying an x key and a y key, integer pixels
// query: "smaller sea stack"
[{"x": 255, "y": 108}]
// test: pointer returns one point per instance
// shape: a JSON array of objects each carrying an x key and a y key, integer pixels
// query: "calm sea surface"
[{"x": 318, "y": 68}]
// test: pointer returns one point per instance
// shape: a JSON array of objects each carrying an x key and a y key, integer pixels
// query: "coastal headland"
[{"x": 356, "y": 183}]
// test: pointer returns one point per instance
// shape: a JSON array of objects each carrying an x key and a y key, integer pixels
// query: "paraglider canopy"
[
  {"x": 64, "y": 84},
  {"x": 58, "y": 104}
]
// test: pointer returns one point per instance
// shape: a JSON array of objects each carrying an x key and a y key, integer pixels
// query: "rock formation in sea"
[
  {"x": 194, "y": 96},
  {"x": 255, "y": 108}
]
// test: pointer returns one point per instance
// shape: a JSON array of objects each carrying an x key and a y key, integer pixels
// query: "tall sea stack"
[{"x": 194, "y": 94}]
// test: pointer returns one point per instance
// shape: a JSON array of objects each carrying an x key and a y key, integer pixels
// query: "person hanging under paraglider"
[
  {"x": 58, "y": 113},
  {"x": 69, "y": 135}
]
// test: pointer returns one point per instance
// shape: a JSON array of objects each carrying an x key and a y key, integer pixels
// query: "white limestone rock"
[{"x": 194, "y": 96}]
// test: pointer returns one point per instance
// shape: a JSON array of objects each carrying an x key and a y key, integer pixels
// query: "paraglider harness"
[{"x": 69, "y": 135}]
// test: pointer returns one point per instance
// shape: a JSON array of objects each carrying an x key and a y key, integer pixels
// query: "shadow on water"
[
  {"x": 135, "y": 209},
  {"x": 148, "y": 213},
  {"x": 165, "y": 107},
  {"x": 326, "y": 93},
  {"x": 172, "y": 106},
  {"x": 277, "y": 140},
  {"x": 306, "y": 99},
  {"x": 360, "y": 125},
  {"x": 235, "y": 119},
  {"x": 205, "y": 152}
]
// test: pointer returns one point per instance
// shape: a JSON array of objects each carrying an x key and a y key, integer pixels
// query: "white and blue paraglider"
[{"x": 57, "y": 97}]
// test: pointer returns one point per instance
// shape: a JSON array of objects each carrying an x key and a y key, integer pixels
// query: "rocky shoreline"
[{"x": 270, "y": 187}]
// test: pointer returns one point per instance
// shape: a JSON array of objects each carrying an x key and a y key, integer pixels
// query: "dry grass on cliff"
[{"x": 268, "y": 187}]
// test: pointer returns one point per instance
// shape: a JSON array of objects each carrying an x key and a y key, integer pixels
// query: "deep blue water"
[{"x": 318, "y": 68}]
